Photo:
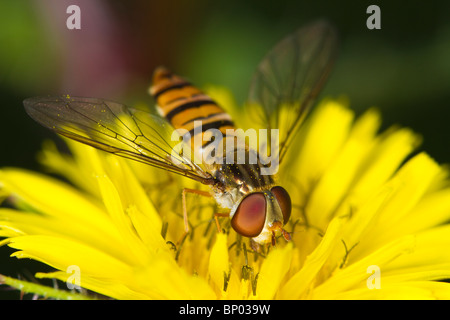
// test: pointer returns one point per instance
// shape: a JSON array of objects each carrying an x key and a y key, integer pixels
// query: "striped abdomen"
[{"x": 182, "y": 105}]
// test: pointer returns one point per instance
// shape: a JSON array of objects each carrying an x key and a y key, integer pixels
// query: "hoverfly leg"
[
  {"x": 286, "y": 235},
  {"x": 274, "y": 242},
  {"x": 222, "y": 215}
]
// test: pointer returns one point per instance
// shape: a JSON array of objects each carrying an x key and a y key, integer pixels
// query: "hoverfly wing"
[
  {"x": 115, "y": 128},
  {"x": 290, "y": 76}
]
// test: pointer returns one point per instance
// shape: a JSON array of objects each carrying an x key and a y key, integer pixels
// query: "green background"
[{"x": 403, "y": 69}]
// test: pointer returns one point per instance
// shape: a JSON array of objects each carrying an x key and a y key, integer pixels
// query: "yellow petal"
[
  {"x": 80, "y": 168},
  {"x": 356, "y": 274},
  {"x": 164, "y": 279},
  {"x": 385, "y": 157},
  {"x": 326, "y": 133},
  {"x": 414, "y": 290},
  {"x": 431, "y": 249},
  {"x": 407, "y": 188},
  {"x": 274, "y": 268},
  {"x": 34, "y": 224},
  {"x": 115, "y": 209},
  {"x": 61, "y": 253},
  {"x": 131, "y": 190},
  {"x": 336, "y": 182},
  {"x": 299, "y": 283},
  {"x": 53, "y": 197},
  {"x": 148, "y": 232},
  {"x": 218, "y": 261}
]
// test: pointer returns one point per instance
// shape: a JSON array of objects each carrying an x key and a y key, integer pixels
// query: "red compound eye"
[
  {"x": 284, "y": 201},
  {"x": 250, "y": 215}
]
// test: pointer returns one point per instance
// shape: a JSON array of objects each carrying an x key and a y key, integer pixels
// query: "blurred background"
[{"x": 403, "y": 69}]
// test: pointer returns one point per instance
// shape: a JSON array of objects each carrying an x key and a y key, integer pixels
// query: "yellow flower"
[{"x": 369, "y": 221}]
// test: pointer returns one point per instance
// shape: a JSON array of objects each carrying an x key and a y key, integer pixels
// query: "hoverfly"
[{"x": 291, "y": 74}]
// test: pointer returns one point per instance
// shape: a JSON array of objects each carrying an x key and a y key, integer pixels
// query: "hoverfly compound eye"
[
  {"x": 250, "y": 216},
  {"x": 284, "y": 201}
]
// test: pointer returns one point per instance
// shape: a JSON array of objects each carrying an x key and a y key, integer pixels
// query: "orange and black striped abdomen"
[{"x": 182, "y": 104}]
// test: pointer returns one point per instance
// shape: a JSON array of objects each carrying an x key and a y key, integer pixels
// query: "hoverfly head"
[{"x": 261, "y": 215}]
